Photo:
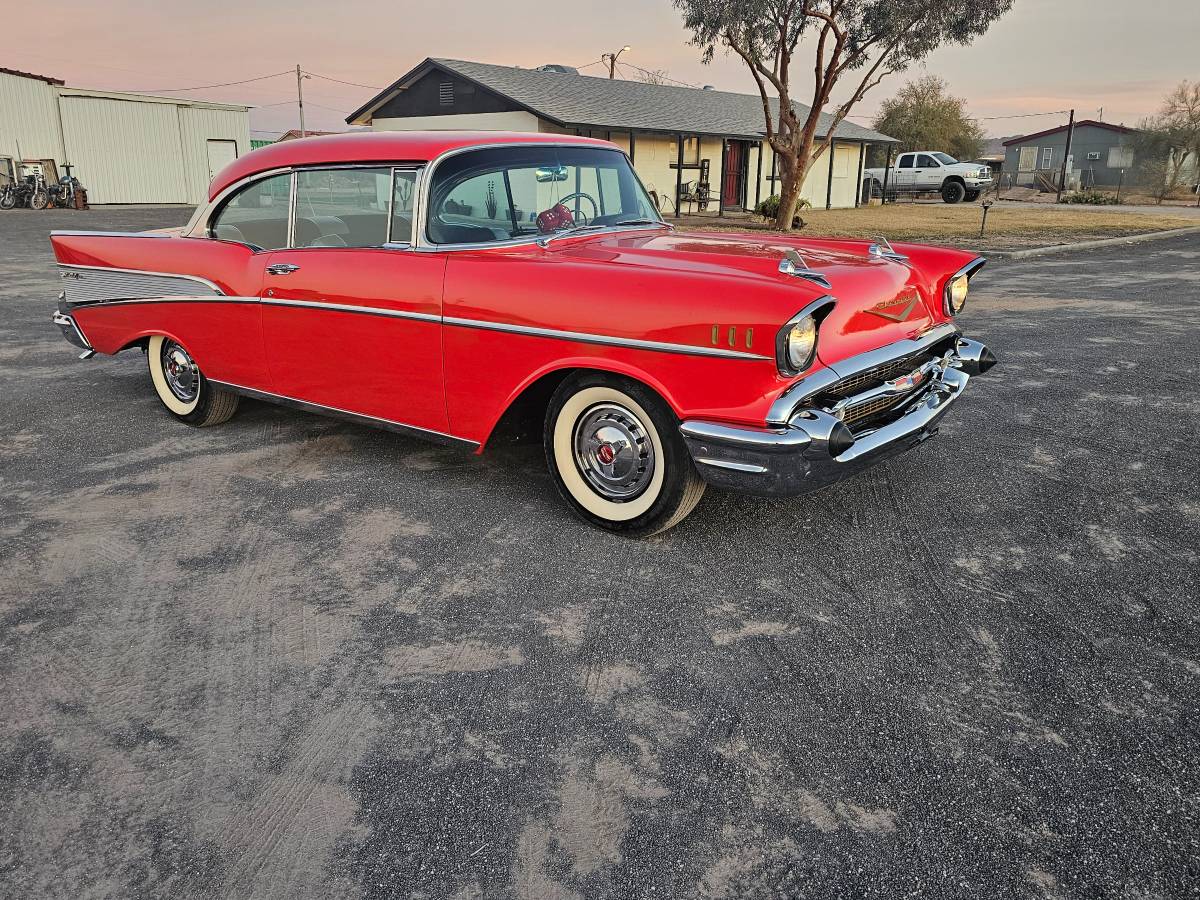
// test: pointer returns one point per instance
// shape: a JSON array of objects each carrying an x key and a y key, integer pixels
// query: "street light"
[{"x": 612, "y": 61}]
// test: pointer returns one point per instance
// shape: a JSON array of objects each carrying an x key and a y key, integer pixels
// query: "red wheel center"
[{"x": 606, "y": 454}]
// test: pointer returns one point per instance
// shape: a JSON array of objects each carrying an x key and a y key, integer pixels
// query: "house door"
[
  {"x": 220, "y": 154},
  {"x": 731, "y": 188}
]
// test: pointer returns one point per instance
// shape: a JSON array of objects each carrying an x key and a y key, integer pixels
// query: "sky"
[{"x": 1042, "y": 57}]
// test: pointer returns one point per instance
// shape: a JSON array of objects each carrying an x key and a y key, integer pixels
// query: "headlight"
[
  {"x": 799, "y": 345},
  {"x": 956, "y": 294}
]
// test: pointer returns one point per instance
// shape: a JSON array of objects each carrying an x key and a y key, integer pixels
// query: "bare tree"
[
  {"x": 1168, "y": 144},
  {"x": 864, "y": 39},
  {"x": 654, "y": 76}
]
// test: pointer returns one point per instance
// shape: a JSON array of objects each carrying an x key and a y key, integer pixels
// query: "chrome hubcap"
[
  {"x": 613, "y": 452},
  {"x": 183, "y": 378}
]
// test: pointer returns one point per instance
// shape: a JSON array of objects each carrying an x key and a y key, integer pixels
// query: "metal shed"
[{"x": 126, "y": 148}]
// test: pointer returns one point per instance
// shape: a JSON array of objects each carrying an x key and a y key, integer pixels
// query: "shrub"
[
  {"x": 769, "y": 208},
  {"x": 1092, "y": 198}
]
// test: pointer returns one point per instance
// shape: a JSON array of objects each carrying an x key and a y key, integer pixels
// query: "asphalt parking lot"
[{"x": 293, "y": 657}]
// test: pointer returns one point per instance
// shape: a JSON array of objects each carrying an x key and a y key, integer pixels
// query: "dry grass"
[{"x": 939, "y": 223}]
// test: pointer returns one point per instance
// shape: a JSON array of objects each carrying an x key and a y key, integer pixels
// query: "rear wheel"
[
  {"x": 182, "y": 387},
  {"x": 614, "y": 451},
  {"x": 953, "y": 191}
]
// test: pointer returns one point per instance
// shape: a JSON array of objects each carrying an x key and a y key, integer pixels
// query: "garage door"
[
  {"x": 220, "y": 154},
  {"x": 124, "y": 151}
]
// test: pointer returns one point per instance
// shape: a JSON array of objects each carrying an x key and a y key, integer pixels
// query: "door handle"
[{"x": 281, "y": 269}]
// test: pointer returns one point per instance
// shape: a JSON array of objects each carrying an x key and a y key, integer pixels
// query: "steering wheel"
[{"x": 580, "y": 215}]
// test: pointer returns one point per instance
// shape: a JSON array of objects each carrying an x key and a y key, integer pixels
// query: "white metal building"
[{"x": 125, "y": 148}]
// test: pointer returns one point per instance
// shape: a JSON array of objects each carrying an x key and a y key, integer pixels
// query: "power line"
[
  {"x": 203, "y": 87},
  {"x": 373, "y": 87}
]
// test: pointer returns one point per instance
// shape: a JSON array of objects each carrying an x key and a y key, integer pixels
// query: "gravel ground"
[{"x": 292, "y": 657}]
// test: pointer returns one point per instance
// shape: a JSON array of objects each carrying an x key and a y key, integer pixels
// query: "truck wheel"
[
  {"x": 182, "y": 387},
  {"x": 953, "y": 191},
  {"x": 614, "y": 450},
  {"x": 972, "y": 196}
]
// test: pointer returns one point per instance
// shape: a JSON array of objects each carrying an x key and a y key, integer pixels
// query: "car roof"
[{"x": 376, "y": 146}]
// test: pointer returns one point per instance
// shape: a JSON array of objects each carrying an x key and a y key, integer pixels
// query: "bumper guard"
[{"x": 816, "y": 448}]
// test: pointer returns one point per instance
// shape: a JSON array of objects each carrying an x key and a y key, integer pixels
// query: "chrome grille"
[
  {"x": 861, "y": 414},
  {"x": 873, "y": 378}
]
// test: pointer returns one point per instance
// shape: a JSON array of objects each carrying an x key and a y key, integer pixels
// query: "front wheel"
[
  {"x": 8, "y": 199},
  {"x": 39, "y": 200},
  {"x": 953, "y": 191},
  {"x": 182, "y": 388},
  {"x": 616, "y": 456},
  {"x": 972, "y": 196}
]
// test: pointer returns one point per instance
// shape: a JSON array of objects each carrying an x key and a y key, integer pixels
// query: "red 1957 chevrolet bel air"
[{"x": 440, "y": 283}]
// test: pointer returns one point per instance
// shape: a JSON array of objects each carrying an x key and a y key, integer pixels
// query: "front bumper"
[
  {"x": 816, "y": 448},
  {"x": 70, "y": 329}
]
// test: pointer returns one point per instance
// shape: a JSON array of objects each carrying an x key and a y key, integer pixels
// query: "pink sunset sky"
[{"x": 1042, "y": 56}]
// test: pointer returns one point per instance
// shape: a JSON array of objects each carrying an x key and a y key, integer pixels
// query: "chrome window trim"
[
  {"x": 196, "y": 278},
  {"x": 603, "y": 339},
  {"x": 420, "y": 236},
  {"x": 201, "y": 224}
]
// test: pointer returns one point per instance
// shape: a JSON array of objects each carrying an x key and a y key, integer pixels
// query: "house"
[
  {"x": 677, "y": 137},
  {"x": 293, "y": 134},
  {"x": 125, "y": 148},
  {"x": 1100, "y": 152}
]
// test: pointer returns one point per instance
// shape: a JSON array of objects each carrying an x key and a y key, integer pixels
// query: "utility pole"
[
  {"x": 612, "y": 61},
  {"x": 300, "y": 98},
  {"x": 1062, "y": 176}
]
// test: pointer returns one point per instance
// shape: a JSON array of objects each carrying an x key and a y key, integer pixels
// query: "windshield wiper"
[{"x": 642, "y": 222}]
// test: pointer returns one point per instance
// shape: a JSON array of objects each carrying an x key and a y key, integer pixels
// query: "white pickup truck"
[{"x": 930, "y": 172}]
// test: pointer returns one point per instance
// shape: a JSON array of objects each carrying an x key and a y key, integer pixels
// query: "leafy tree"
[
  {"x": 924, "y": 116},
  {"x": 864, "y": 40}
]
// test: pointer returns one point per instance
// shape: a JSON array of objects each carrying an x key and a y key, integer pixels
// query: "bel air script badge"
[{"x": 896, "y": 310}]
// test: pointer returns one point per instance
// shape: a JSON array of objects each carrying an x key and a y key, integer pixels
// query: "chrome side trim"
[
  {"x": 84, "y": 284},
  {"x": 360, "y": 418},
  {"x": 139, "y": 234},
  {"x": 606, "y": 340},
  {"x": 224, "y": 298},
  {"x": 350, "y": 308},
  {"x": 787, "y": 402}
]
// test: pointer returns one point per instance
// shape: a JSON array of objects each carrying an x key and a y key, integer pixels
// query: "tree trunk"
[{"x": 791, "y": 182}]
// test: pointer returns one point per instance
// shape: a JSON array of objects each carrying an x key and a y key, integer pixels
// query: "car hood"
[{"x": 878, "y": 300}]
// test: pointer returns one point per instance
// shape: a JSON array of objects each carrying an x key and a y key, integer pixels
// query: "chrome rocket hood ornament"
[
  {"x": 882, "y": 248},
  {"x": 794, "y": 264}
]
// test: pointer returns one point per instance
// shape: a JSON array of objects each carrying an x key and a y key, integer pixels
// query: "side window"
[
  {"x": 256, "y": 215},
  {"x": 342, "y": 207},
  {"x": 925, "y": 161},
  {"x": 403, "y": 199},
  {"x": 906, "y": 161},
  {"x": 1047, "y": 157}
]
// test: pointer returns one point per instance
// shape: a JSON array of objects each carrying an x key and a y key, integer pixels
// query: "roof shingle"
[{"x": 588, "y": 101}]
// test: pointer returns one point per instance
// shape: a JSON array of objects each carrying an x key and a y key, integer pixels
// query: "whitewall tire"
[
  {"x": 614, "y": 451},
  {"x": 182, "y": 388}
]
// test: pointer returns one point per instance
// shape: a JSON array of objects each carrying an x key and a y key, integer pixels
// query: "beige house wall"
[{"x": 654, "y": 158}]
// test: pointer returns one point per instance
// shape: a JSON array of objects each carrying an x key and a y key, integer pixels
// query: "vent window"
[{"x": 446, "y": 93}]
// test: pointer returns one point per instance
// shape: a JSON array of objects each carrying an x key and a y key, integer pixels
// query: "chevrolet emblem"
[
  {"x": 907, "y": 382},
  {"x": 896, "y": 310}
]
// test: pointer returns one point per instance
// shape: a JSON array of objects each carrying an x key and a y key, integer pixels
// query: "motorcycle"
[
  {"x": 62, "y": 194},
  {"x": 31, "y": 192}
]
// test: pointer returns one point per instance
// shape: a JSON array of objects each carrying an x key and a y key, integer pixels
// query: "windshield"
[
  {"x": 503, "y": 193},
  {"x": 945, "y": 159}
]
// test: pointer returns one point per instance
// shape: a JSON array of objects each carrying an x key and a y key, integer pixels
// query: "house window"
[
  {"x": 1093, "y": 156},
  {"x": 446, "y": 93},
  {"x": 1047, "y": 157}
]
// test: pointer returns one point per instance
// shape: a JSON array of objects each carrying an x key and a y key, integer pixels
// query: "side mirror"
[{"x": 550, "y": 173}]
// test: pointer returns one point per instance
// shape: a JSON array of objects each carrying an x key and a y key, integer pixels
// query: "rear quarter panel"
[{"x": 223, "y": 336}]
